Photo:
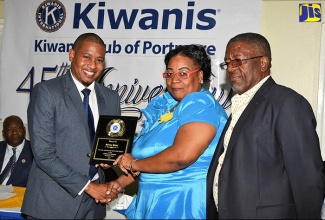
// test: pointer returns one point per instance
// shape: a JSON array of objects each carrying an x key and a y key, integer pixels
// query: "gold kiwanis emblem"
[{"x": 115, "y": 128}]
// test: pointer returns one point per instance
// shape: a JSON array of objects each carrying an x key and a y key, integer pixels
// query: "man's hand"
[
  {"x": 98, "y": 192},
  {"x": 103, "y": 165},
  {"x": 113, "y": 189}
]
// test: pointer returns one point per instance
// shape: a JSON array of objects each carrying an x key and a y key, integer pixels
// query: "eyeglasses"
[
  {"x": 235, "y": 62},
  {"x": 184, "y": 74}
]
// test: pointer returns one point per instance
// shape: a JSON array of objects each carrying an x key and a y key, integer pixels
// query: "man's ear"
[
  {"x": 265, "y": 64},
  {"x": 71, "y": 55}
]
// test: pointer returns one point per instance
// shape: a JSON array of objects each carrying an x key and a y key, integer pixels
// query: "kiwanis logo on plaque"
[
  {"x": 50, "y": 15},
  {"x": 115, "y": 128}
]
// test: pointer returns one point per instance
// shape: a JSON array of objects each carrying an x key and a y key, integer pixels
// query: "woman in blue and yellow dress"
[{"x": 173, "y": 151}]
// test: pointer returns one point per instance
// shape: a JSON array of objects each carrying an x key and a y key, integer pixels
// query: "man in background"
[
  {"x": 268, "y": 163},
  {"x": 16, "y": 156}
]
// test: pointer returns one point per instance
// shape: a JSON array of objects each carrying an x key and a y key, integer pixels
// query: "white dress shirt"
[
  {"x": 92, "y": 98},
  {"x": 94, "y": 108}
]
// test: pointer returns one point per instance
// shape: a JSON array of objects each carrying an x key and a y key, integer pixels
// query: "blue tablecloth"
[
  {"x": 122, "y": 211},
  {"x": 10, "y": 215},
  {"x": 17, "y": 215}
]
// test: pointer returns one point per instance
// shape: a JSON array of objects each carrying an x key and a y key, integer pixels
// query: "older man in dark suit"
[
  {"x": 62, "y": 113},
  {"x": 16, "y": 155},
  {"x": 268, "y": 163}
]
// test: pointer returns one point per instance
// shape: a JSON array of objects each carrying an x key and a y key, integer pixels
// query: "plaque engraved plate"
[{"x": 114, "y": 136}]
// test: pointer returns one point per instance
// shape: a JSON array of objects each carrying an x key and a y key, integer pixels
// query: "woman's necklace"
[{"x": 168, "y": 116}]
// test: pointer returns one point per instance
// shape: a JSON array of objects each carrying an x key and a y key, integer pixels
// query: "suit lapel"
[
  {"x": 220, "y": 147},
  {"x": 73, "y": 93},
  {"x": 24, "y": 155},
  {"x": 217, "y": 153},
  {"x": 247, "y": 114},
  {"x": 100, "y": 101},
  {"x": 2, "y": 153}
]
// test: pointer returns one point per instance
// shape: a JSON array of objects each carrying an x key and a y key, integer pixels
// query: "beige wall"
[
  {"x": 295, "y": 46},
  {"x": 1, "y": 9},
  {"x": 1, "y": 17}
]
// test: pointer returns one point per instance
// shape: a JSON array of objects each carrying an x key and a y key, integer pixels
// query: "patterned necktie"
[
  {"x": 90, "y": 119},
  {"x": 9, "y": 167},
  {"x": 14, "y": 159}
]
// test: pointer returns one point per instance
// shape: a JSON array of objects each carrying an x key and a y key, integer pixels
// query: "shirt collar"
[
  {"x": 19, "y": 148},
  {"x": 80, "y": 87},
  {"x": 251, "y": 92}
]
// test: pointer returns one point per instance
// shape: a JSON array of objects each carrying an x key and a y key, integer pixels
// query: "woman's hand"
[{"x": 123, "y": 161}]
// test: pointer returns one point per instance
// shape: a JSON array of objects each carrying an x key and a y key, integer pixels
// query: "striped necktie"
[{"x": 9, "y": 167}]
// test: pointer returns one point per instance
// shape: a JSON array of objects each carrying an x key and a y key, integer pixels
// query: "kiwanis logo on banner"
[
  {"x": 38, "y": 35},
  {"x": 50, "y": 15}
]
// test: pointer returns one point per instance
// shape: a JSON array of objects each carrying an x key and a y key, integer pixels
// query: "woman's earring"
[{"x": 201, "y": 81}]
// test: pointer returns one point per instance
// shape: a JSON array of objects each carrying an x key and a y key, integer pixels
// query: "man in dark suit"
[
  {"x": 59, "y": 127},
  {"x": 268, "y": 163},
  {"x": 14, "y": 133}
]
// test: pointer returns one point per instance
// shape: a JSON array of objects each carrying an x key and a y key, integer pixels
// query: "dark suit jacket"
[
  {"x": 273, "y": 165},
  {"x": 60, "y": 142},
  {"x": 20, "y": 174}
]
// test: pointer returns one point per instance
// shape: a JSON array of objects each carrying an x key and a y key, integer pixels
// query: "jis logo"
[
  {"x": 50, "y": 15},
  {"x": 310, "y": 12}
]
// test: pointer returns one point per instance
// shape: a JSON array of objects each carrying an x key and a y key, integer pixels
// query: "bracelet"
[{"x": 134, "y": 174}]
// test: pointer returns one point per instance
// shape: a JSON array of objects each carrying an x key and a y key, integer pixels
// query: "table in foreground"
[{"x": 10, "y": 208}]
